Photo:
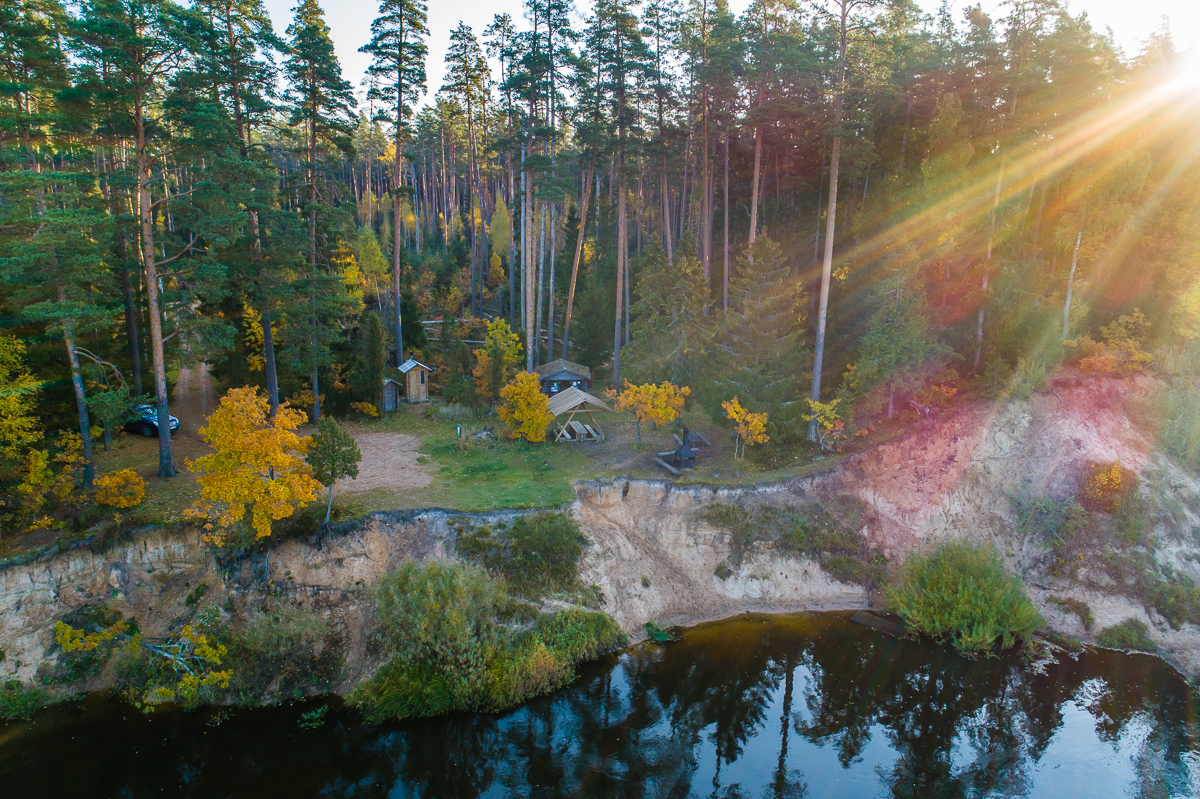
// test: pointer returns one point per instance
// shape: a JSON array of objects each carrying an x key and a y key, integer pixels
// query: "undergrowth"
[
  {"x": 810, "y": 530},
  {"x": 536, "y": 554},
  {"x": 447, "y": 647},
  {"x": 1130, "y": 634},
  {"x": 963, "y": 595}
]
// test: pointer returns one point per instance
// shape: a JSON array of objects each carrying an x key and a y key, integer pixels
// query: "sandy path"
[{"x": 389, "y": 460}]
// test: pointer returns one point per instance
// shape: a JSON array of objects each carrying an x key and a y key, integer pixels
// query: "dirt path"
[
  {"x": 194, "y": 399},
  {"x": 389, "y": 460}
]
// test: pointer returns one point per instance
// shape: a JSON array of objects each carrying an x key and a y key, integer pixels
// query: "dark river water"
[{"x": 806, "y": 705}]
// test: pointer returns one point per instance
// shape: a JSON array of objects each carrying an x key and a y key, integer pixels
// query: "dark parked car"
[{"x": 145, "y": 421}]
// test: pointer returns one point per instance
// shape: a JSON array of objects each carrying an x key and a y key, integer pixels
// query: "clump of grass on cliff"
[
  {"x": 535, "y": 554},
  {"x": 810, "y": 530},
  {"x": 962, "y": 594},
  {"x": 448, "y": 647}
]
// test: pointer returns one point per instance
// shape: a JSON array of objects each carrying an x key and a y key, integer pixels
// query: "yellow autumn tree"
[
  {"x": 257, "y": 473},
  {"x": 19, "y": 428},
  {"x": 524, "y": 408},
  {"x": 120, "y": 489},
  {"x": 749, "y": 428},
  {"x": 496, "y": 361},
  {"x": 648, "y": 402}
]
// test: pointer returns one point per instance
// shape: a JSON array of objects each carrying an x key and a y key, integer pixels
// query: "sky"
[{"x": 349, "y": 21}]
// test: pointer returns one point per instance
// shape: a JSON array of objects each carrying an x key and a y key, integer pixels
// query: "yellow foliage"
[
  {"x": 659, "y": 404},
  {"x": 255, "y": 360},
  {"x": 19, "y": 428},
  {"x": 257, "y": 471},
  {"x": 72, "y": 640},
  {"x": 750, "y": 428},
  {"x": 496, "y": 360},
  {"x": 831, "y": 428},
  {"x": 304, "y": 399},
  {"x": 41, "y": 485},
  {"x": 524, "y": 408},
  {"x": 366, "y": 409},
  {"x": 1105, "y": 485},
  {"x": 123, "y": 489},
  {"x": 495, "y": 274}
]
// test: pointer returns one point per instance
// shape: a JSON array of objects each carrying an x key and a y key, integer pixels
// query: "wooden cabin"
[
  {"x": 561, "y": 374},
  {"x": 412, "y": 385}
]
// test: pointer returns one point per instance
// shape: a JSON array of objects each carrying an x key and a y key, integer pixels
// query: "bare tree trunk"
[
  {"x": 987, "y": 272},
  {"x": 725, "y": 277},
  {"x": 166, "y": 455},
  {"x": 550, "y": 292},
  {"x": 583, "y": 209},
  {"x": 754, "y": 189},
  {"x": 397, "y": 246},
  {"x": 1066, "y": 326},
  {"x": 621, "y": 256}
]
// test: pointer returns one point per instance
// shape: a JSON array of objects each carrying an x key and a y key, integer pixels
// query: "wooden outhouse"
[
  {"x": 393, "y": 394},
  {"x": 410, "y": 385},
  {"x": 561, "y": 374},
  {"x": 416, "y": 380}
]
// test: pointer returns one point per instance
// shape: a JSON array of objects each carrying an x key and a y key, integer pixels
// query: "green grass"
[{"x": 1130, "y": 634}]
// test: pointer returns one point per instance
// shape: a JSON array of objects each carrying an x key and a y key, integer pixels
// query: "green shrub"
[
  {"x": 446, "y": 650},
  {"x": 1077, "y": 607},
  {"x": 20, "y": 702},
  {"x": 1129, "y": 634},
  {"x": 844, "y": 568},
  {"x": 660, "y": 635},
  {"x": 1176, "y": 598},
  {"x": 578, "y": 635},
  {"x": 1058, "y": 523},
  {"x": 282, "y": 651},
  {"x": 440, "y": 612},
  {"x": 1179, "y": 433},
  {"x": 963, "y": 594},
  {"x": 536, "y": 554}
]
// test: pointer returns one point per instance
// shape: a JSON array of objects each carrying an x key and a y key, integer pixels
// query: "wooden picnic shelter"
[{"x": 569, "y": 402}]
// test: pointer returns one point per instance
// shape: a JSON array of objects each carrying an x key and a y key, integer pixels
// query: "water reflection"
[{"x": 758, "y": 706}]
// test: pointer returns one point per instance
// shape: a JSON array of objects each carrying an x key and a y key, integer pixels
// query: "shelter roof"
[
  {"x": 562, "y": 365},
  {"x": 574, "y": 399}
]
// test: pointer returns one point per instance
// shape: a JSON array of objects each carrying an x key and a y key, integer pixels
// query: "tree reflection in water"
[{"x": 757, "y": 706}]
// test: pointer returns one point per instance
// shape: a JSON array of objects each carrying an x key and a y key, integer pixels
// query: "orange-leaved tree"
[
  {"x": 524, "y": 408},
  {"x": 749, "y": 428},
  {"x": 659, "y": 404},
  {"x": 257, "y": 473}
]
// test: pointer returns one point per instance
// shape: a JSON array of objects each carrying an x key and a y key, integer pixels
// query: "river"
[{"x": 804, "y": 705}]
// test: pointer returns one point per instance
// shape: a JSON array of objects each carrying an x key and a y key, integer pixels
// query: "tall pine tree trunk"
[
  {"x": 725, "y": 277},
  {"x": 166, "y": 454},
  {"x": 584, "y": 195},
  {"x": 830, "y": 222},
  {"x": 1066, "y": 325},
  {"x": 397, "y": 247}
]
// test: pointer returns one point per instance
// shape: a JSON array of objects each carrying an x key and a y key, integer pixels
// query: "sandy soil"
[{"x": 389, "y": 460}]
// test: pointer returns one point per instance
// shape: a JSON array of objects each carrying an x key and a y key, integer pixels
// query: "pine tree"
[
  {"x": 397, "y": 48},
  {"x": 759, "y": 341},
  {"x": 136, "y": 45}
]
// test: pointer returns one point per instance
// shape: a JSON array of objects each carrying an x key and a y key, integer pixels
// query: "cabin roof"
[
  {"x": 562, "y": 365},
  {"x": 408, "y": 366},
  {"x": 575, "y": 399}
]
